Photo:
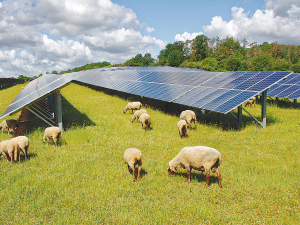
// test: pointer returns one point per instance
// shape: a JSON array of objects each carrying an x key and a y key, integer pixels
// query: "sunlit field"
[{"x": 85, "y": 180}]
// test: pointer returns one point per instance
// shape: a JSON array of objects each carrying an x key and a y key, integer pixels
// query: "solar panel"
[
  {"x": 288, "y": 88},
  {"x": 215, "y": 91}
]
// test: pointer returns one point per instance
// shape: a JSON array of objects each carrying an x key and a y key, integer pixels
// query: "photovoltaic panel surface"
[
  {"x": 215, "y": 91},
  {"x": 287, "y": 88}
]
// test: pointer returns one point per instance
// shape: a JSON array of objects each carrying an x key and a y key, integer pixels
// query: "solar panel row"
[{"x": 215, "y": 91}]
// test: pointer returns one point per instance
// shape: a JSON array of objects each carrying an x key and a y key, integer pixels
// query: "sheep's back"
[
  {"x": 52, "y": 131},
  {"x": 145, "y": 117},
  {"x": 199, "y": 156},
  {"x": 132, "y": 155}
]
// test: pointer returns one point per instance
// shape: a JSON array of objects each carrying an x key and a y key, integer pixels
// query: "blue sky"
[{"x": 39, "y": 36}]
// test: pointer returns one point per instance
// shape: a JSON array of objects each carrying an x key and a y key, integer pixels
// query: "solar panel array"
[
  {"x": 288, "y": 88},
  {"x": 214, "y": 91}
]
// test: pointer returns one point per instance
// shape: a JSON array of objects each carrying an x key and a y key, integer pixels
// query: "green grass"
[{"x": 85, "y": 180}]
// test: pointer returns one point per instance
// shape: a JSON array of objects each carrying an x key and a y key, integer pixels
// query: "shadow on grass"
[
  {"x": 28, "y": 157},
  {"x": 73, "y": 117},
  {"x": 200, "y": 177}
]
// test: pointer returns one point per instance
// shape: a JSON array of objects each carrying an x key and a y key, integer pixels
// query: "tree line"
[{"x": 213, "y": 54}]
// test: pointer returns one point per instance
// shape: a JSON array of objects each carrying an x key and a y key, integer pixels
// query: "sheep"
[
  {"x": 189, "y": 116},
  {"x": 200, "y": 158},
  {"x": 23, "y": 144},
  {"x": 52, "y": 132},
  {"x": 10, "y": 147},
  {"x": 137, "y": 114},
  {"x": 182, "y": 127},
  {"x": 9, "y": 124},
  {"x": 133, "y": 156},
  {"x": 132, "y": 106},
  {"x": 251, "y": 101},
  {"x": 145, "y": 120}
]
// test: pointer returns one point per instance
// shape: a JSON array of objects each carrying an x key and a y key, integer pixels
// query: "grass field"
[{"x": 85, "y": 180}]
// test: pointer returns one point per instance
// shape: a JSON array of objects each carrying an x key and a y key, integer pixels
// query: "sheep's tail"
[{"x": 216, "y": 165}]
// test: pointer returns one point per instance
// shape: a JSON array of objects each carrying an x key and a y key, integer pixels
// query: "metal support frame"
[
  {"x": 35, "y": 113},
  {"x": 58, "y": 109},
  {"x": 295, "y": 102},
  {"x": 264, "y": 109}
]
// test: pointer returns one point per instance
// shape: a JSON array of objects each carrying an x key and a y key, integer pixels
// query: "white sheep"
[
  {"x": 10, "y": 148},
  {"x": 23, "y": 144},
  {"x": 182, "y": 127},
  {"x": 52, "y": 132},
  {"x": 189, "y": 116},
  {"x": 9, "y": 124},
  {"x": 137, "y": 114},
  {"x": 200, "y": 158},
  {"x": 132, "y": 106},
  {"x": 132, "y": 157},
  {"x": 145, "y": 120}
]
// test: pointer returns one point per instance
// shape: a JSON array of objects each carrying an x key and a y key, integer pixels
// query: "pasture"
[{"x": 85, "y": 180}]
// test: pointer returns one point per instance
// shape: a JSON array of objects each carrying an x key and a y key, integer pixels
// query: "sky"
[{"x": 39, "y": 36}]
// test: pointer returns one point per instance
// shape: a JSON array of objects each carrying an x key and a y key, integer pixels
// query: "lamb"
[
  {"x": 137, "y": 114},
  {"x": 182, "y": 127},
  {"x": 200, "y": 158},
  {"x": 145, "y": 120},
  {"x": 9, "y": 124},
  {"x": 23, "y": 144},
  {"x": 52, "y": 132},
  {"x": 133, "y": 156},
  {"x": 10, "y": 147},
  {"x": 132, "y": 106},
  {"x": 251, "y": 101},
  {"x": 189, "y": 116}
]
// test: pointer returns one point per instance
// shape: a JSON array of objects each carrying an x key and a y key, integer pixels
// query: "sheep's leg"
[
  {"x": 207, "y": 179},
  {"x": 139, "y": 171},
  {"x": 219, "y": 176},
  {"x": 189, "y": 176},
  {"x": 54, "y": 139}
]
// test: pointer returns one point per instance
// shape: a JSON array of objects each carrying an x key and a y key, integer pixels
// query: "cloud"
[
  {"x": 186, "y": 36},
  {"x": 271, "y": 24},
  {"x": 39, "y": 36}
]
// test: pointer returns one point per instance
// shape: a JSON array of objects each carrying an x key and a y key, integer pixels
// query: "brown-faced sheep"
[
  {"x": 10, "y": 148},
  {"x": 251, "y": 101},
  {"x": 9, "y": 124},
  {"x": 200, "y": 158},
  {"x": 54, "y": 133},
  {"x": 132, "y": 157},
  {"x": 137, "y": 114},
  {"x": 23, "y": 144},
  {"x": 145, "y": 120},
  {"x": 182, "y": 127},
  {"x": 132, "y": 106},
  {"x": 189, "y": 116}
]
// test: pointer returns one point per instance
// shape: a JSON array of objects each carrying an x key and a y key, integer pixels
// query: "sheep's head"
[
  {"x": 171, "y": 171},
  {"x": 132, "y": 118}
]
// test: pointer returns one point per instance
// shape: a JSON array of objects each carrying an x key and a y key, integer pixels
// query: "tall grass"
[{"x": 85, "y": 180}]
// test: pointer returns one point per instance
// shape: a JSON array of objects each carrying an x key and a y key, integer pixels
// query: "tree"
[
  {"x": 199, "y": 48},
  {"x": 262, "y": 62},
  {"x": 175, "y": 58},
  {"x": 147, "y": 59}
]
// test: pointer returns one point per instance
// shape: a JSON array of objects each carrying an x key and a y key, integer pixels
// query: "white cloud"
[
  {"x": 263, "y": 25},
  {"x": 186, "y": 36},
  {"x": 39, "y": 36},
  {"x": 149, "y": 30}
]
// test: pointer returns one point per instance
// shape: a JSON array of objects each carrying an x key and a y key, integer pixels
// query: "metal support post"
[
  {"x": 264, "y": 109},
  {"x": 240, "y": 114},
  {"x": 295, "y": 103},
  {"x": 58, "y": 110}
]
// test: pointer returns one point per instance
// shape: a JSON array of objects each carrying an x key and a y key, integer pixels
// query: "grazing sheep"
[
  {"x": 132, "y": 106},
  {"x": 52, "y": 132},
  {"x": 133, "y": 156},
  {"x": 200, "y": 158},
  {"x": 10, "y": 148},
  {"x": 23, "y": 144},
  {"x": 182, "y": 127},
  {"x": 251, "y": 101},
  {"x": 9, "y": 124},
  {"x": 189, "y": 116},
  {"x": 145, "y": 120},
  {"x": 137, "y": 114}
]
